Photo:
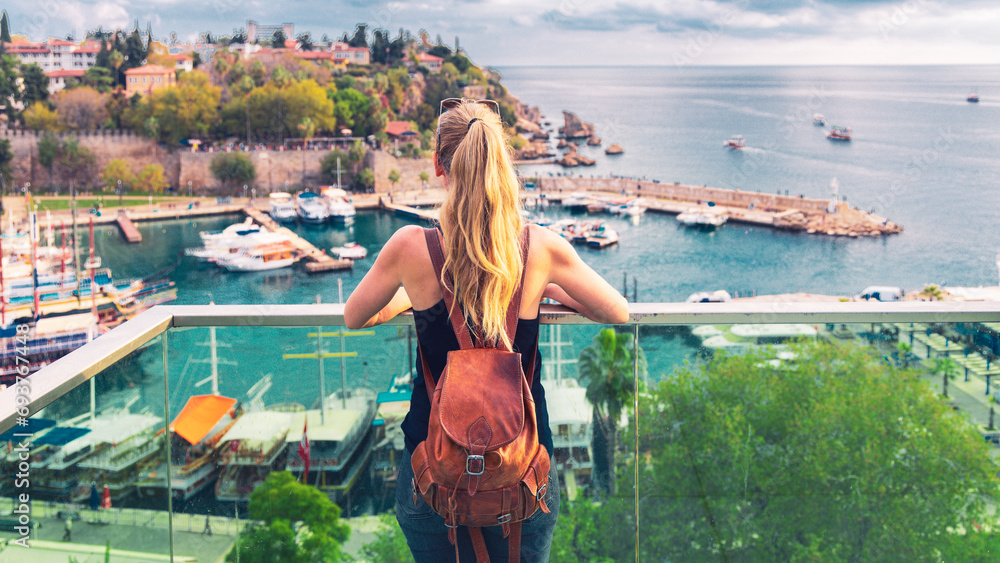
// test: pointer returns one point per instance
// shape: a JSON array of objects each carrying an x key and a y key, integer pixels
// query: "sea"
[{"x": 921, "y": 156}]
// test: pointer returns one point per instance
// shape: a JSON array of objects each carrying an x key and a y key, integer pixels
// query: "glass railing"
[{"x": 695, "y": 432}]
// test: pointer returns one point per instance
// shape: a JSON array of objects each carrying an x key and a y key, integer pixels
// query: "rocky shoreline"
[{"x": 536, "y": 139}]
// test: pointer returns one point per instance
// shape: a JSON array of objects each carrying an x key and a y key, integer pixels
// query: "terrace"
[{"x": 713, "y": 480}]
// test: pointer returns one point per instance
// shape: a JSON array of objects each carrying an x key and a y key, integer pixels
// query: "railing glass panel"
[{"x": 755, "y": 441}]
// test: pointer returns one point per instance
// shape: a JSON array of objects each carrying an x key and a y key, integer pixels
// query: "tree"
[
  {"x": 302, "y": 99},
  {"x": 48, "y": 152},
  {"x": 39, "y": 117},
  {"x": 365, "y": 180},
  {"x": 932, "y": 292},
  {"x": 233, "y": 169},
  {"x": 297, "y": 524},
  {"x": 117, "y": 59},
  {"x": 6, "y": 156},
  {"x": 98, "y": 78},
  {"x": 35, "y": 87},
  {"x": 188, "y": 109},
  {"x": 832, "y": 456},
  {"x": 389, "y": 545},
  {"x": 76, "y": 162},
  {"x": 5, "y": 28},
  {"x": 904, "y": 353},
  {"x": 360, "y": 37},
  {"x": 305, "y": 41},
  {"x": 81, "y": 108},
  {"x": 307, "y": 127},
  {"x": 10, "y": 88},
  {"x": 117, "y": 173},
  {"x": 606, "y": 368},
  {"x": 394, "y": 177},
  {"x": 424, "y": 177},
  {"x": 151, "y": 179},
  {"x": 947, "y": 369},
  {"x": 278, "y": 39},
  {"x": 135, "y": 51}
]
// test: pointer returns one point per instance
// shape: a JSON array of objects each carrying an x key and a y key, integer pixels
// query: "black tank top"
[{"x": 437, "y": 338}]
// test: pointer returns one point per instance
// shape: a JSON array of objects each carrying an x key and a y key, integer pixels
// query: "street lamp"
[
  {"x": 120, "y": 204},
  {"x": 189, "y": 188},
  {"x": 244, "y": 191}
]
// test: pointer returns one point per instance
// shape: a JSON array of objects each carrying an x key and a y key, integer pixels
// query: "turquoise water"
[{"x": 921, "y": 155}]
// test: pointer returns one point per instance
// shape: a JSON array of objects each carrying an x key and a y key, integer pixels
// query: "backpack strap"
[{"x": 457, "y": 319}]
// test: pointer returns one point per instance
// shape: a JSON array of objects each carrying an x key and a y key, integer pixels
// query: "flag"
[
  {"x": 304, "y": 452},
  {"x": 106, "y": 501}
]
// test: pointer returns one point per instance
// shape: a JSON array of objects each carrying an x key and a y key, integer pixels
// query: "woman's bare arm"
[
  {"x": 584, "y": 290},
  {"x": 380, "y": 296}
]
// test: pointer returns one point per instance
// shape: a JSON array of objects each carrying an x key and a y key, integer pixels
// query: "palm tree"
[
  {"x": 606, "y": 368},
  {"x": 117, "y": 60},
  {"x": 904, "y": 353},
  {"x": 948, "y": 369},
  {"x": 932, "y": 292}
]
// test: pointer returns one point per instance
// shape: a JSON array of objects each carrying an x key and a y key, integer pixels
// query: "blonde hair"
[{"x": 481, "y": 216}]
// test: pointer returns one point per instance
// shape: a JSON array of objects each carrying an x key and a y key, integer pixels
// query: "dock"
[
  {"x": 317, "y": 260},
  {"x": 127, "y": 227},
  {"x": 788, "y": 212},
  {"x": 408, "y": 210}
]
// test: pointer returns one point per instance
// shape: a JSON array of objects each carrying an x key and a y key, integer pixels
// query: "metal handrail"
[{"x": 74, "y": 369}]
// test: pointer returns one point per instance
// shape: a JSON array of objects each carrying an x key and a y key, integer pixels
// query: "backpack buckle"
[
  {"x": 541, "y": 492},
  {"x": 504, "y": 518},
  {"x": 476, "y": 468}
]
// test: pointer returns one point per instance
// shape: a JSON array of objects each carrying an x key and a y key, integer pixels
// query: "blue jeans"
[{"x": 427, "y": 535}]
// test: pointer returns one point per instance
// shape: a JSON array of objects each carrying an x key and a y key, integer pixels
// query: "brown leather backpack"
[{"x": 481, "y": 464}]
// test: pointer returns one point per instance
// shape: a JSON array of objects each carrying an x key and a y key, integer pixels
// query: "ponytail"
[{"x": 481, "y": 216}]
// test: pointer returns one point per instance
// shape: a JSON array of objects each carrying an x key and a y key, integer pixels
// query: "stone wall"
[
  {"x": 409, "y": 172},
  {"x": 732, "y": 198},
  {"x": 276, "y": 170}
]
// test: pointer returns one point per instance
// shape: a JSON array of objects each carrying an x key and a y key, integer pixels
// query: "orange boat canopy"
[{"x": 200, "y": 415}]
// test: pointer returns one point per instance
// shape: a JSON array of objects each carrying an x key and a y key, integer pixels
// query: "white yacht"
[
  {"x": 695, "y": 217},
  {"x": 260, "y": 258},
  {"x": 312, "y": 208},
  {"x": 282, "y": 208},
  {"x": 350, "y": 251},
  {"x": 341, "y": 210}
]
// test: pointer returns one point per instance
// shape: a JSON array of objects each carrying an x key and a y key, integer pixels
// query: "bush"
[
  {"x": 118, "y": 171},
  {"x": 151, "y": 179},
  {"x": 233, "y": 168}
]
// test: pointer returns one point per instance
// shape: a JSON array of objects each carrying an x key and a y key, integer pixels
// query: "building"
[
  {"x": 146, "y": 78},
  {"x": 344, "y": 54},
  {"x": 55, "y": 54},
  {"x": 257, "y": 32},
  {"x": 58, "y": 78},
  {"x": 432, "y": 62},
  {"x": 401, "y": 131},
  {"x": 183, "y": 62}
]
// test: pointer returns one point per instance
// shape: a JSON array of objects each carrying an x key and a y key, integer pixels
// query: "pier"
[
  {"x": 815, "y": 216},
  {"x": 408, "y": 210},
  {"x": 317, "y": 259},
  {"x": 127, "y": 227}
]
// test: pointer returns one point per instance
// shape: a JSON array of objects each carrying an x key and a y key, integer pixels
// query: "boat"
[
  {"x": 601, "y": 236},
  {"x": 123, "y": 446},
  {"x": 819, "y": 120},
  {"x": 718, "y": 296},
  {"x": 632, "y": 208},
  {"x": 578, "y": 201},
  {"x": 230, "y": 232},
  {"x": 260, "y": 258},
  {"x": 48, "y": 339},
  {"x": 341, "y": 210},
  {"x": 312, "y": 208},
  {"x": 838, "y": 133},
  {"x": 350, "y": 251},
  {"x": 973, "y": 98},
  {"x": 735, "y": 142},
  {"x": 696, "y": 217},
  {"x": 744, "y": 336},
  {"x": 254, "y": 447},
  {"x": 194, "y": 439},
  {"x": 597, "y": 206},
  {"x": 340, "y": 441},
  {"x": 570, "y": 415},
  {"x": 282, "y": 208}
]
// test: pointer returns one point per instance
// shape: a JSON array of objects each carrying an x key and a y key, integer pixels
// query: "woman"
[{"x": 481, "y": 228}]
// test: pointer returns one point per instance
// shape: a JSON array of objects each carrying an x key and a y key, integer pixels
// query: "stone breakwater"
[{"x": 792, "y": 213}]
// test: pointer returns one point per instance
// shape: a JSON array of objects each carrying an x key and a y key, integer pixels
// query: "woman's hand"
[{"x": 380, "y": 295}]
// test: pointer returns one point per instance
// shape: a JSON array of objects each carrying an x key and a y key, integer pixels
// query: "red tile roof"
[
  {"x": 428, "y": 58},
  {"x": 398, "y": 128},
  {"x": 148, "y": 69},
  {"x": 65, "y": 73}
]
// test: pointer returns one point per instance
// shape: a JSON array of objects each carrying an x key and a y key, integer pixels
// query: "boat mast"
[
  {"x": 3, "y": 299},
  {"x": 34, "y": 263}
]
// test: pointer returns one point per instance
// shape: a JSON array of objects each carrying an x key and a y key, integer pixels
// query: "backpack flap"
[{"x": 482, "y": 399}]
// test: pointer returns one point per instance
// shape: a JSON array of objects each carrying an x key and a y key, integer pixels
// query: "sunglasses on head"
[{"x": 448, "y": 104}]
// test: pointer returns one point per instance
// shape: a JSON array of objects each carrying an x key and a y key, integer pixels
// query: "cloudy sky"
[{"x": 588, "y": 32}]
